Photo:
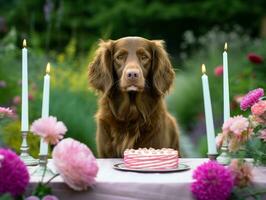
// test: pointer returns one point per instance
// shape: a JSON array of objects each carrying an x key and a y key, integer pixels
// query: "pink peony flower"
[
  {"x": 254, "y": 58},
  {"x": 251, "y": 98},
  {"x": 263, "y": 134},
  {"x": 218, "y": 71},
  {"x": 14, "y": 175},
  {"x": 242, "y": 173},
  {"x": 78, "y": 167},
  {"x": 6, "y": 112},
  {"x": 49, "y": 128},
  {"x": 239, "y": 124},
  {"x": 212, "y": 181},
  {"x": 237, "y": 129},
  {"x": 259, "y": 111}
]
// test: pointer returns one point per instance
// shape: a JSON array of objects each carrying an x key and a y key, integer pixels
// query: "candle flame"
[
  {"x": 225, "y": 46},
  {"x": 203, "y": 68},
  {"x": 24, "y": 43},
  {"x": 48, "y": 68}
]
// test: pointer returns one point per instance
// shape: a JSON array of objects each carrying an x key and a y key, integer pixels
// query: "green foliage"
[
  {"x": 70, "y": 99},
  {"x": 55, "y": 21},
  {"x": 186, "y": 99}
]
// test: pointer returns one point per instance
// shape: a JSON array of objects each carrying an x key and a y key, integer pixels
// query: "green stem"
[{"x": 51, "y": 179}]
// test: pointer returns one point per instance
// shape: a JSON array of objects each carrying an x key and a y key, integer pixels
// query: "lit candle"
[
  {"x": 226, "y": 85},
  {"x": 45, "y": 107},
  {"x": 208, "y": 113},
  {"x": 24, "y": 99}
]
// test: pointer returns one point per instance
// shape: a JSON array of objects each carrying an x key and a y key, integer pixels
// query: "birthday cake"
[{"x": 144, "y": 158}]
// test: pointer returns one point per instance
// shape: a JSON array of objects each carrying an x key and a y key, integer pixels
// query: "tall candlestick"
[
  {"x": 224, "y": 158},
  {"x": 45, "y": 107},
  {"x": 226, "y": 85},
  {"x": 24, "y": 101},
  {"x": 24, "y": 148},
  {"x": 208, "y": 113}
]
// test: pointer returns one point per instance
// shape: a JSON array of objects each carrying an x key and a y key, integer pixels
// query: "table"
[{"x": 112, "y": 184}]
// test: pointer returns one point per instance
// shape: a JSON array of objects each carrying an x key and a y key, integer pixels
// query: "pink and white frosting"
[{"x": 144, "y": 158}]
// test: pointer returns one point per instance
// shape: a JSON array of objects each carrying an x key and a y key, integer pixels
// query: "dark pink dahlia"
[
  {"x": 251, "y": 98},
  {"x": 254, "y": 58},
  {"x": 14, "y": 176},
  {"x": 212, "y": 181}
]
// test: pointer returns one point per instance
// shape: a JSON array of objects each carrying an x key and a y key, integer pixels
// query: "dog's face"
[{"x": 131, "y": 64}]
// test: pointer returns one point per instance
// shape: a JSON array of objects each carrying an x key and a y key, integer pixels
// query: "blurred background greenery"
[{"x": 66, "y": 34}]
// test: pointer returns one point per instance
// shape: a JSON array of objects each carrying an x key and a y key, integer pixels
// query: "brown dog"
[{"x": 133, "y": 74}]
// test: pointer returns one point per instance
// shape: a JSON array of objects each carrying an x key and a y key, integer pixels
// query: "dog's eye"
[
  {"x": 144, "y": 57},
  {"x": 120, "y": 57}
]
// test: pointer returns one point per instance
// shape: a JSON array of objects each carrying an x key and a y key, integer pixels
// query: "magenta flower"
[
  {"x": 14, "y": 175},
  {"x": 49, "y": 128},
  {"x": 259, "y": 111},
  {"x": 6, "y": 112},
  {"x": 77, "y": 167},
  {"x": 242, "y": 173},
  {"x": 254, "y": 58},
  {"x": 212, "y": 181},
  {"x": 251, "y": 98},
  {"x": 218, "y": 71}
]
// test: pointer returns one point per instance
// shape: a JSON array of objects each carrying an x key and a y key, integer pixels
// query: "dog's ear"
[
  {"x": 100, "y": 69},
  {"x": 163, "y": 73}
]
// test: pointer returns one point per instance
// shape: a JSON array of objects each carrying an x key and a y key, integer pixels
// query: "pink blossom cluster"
[
  {"x": 6, "y": 112},
  {"x": 238, "y": 130}
]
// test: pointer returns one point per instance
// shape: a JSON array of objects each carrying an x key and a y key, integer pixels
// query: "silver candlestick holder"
[
  {"x": 42, "y": 169},
  {"x": 224, "y": 158},
  {"x": 212, "y": 156},
  {"x": 24, "y": 151}
]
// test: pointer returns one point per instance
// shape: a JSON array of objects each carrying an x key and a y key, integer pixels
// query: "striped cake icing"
[{"x": 144, "y": 158}]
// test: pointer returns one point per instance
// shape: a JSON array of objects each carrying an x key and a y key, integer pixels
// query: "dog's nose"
[{"x": 132, "y": 74}]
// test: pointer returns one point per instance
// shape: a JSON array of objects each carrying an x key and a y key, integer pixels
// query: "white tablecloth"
[{"x": 112, "y": 184}]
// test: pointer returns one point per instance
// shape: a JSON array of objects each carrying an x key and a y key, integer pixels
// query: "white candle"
[
  {"x": 226, "y": 85},
  {"x": 24, "y": 99},
  {"x": 208, "y": 113},
  {"x": 45, "y": 107}
]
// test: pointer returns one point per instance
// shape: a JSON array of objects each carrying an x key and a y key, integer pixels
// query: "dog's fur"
[{"x": 132, "y": 74}]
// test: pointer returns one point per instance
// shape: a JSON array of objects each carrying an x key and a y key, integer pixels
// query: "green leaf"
[{"x": 42, "y": 190}]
